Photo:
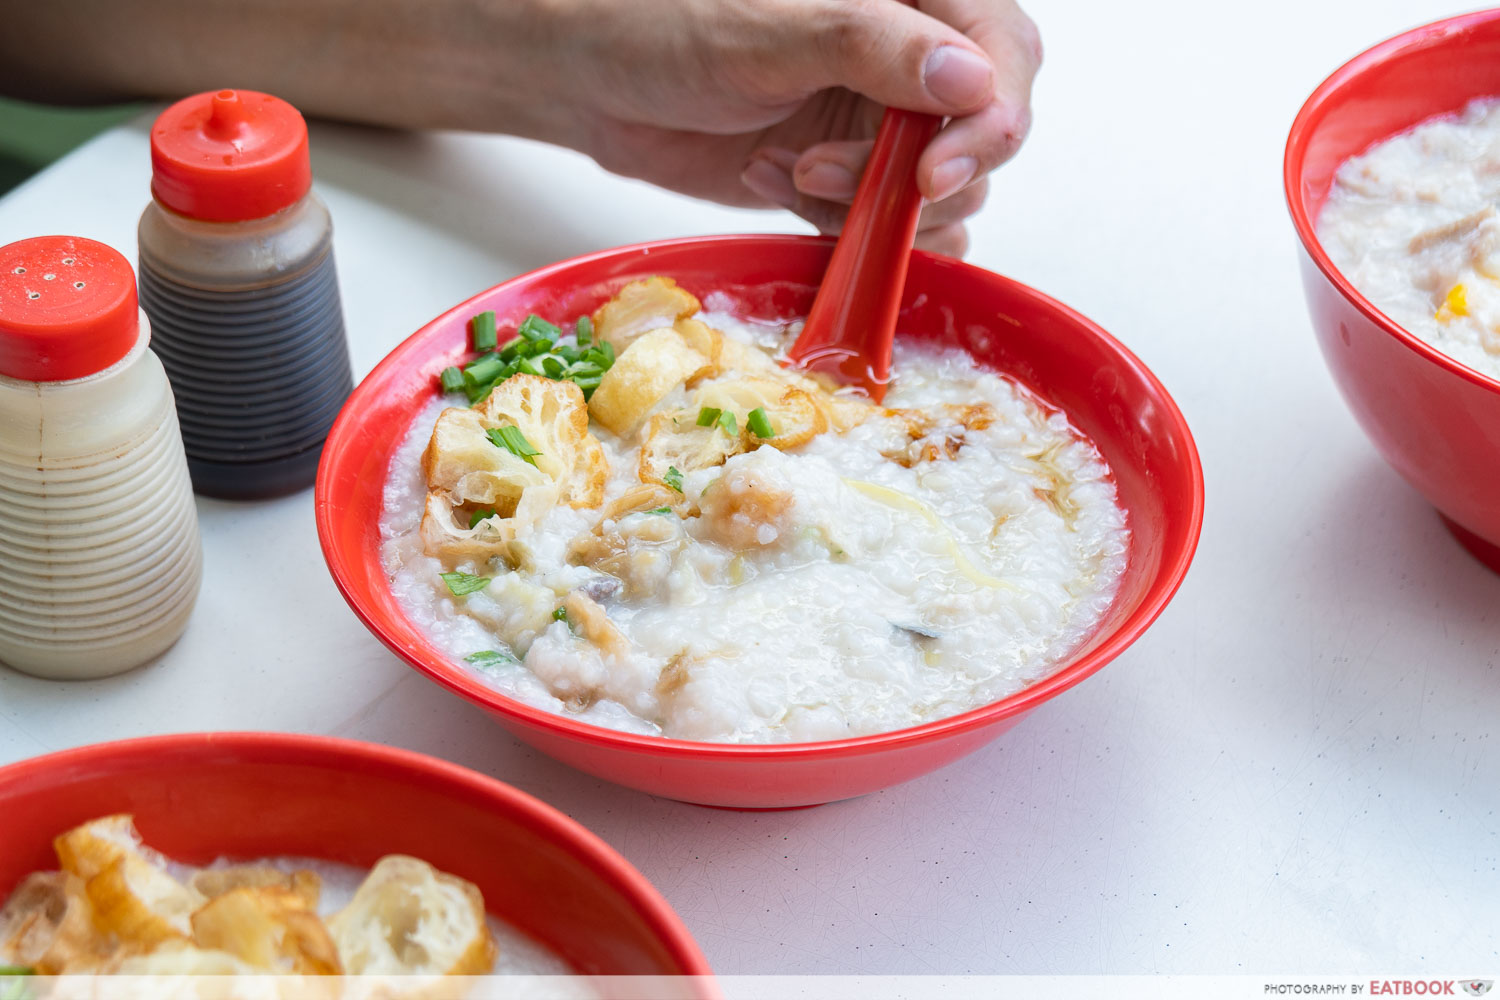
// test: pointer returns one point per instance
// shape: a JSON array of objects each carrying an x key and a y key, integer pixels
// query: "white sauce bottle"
[{"x": 99, "y": 552}]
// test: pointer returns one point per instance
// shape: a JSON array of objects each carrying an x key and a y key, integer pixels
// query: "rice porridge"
[
  {"x": 717, "y": 548},
  {"x": 1413, "y": 224}
]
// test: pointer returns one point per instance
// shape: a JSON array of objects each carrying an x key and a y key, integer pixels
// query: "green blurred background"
[{"x": 33, "y": 135}]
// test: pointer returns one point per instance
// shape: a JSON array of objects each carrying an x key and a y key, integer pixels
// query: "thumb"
[{"x": 891, "y": 53}]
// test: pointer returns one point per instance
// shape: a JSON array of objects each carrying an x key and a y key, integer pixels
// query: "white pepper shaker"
[{"x": 100, "y": 559}]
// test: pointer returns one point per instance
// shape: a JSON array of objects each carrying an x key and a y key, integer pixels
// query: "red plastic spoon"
[{"x": 853, "y": 319}]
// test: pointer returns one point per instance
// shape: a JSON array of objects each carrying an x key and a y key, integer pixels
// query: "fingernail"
[
  {"x": 770, "y": 182},
  {"x": 958, "y": 77},
  {"x": 952, "y": 176},
  {"x": 827, "y": 180}
]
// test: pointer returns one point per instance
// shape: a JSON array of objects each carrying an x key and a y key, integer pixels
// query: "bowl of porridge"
[
  {"x": 593, "y": 501},
  {"x": 270, "y": 853},
  {"x": 1392, "y": 171}
]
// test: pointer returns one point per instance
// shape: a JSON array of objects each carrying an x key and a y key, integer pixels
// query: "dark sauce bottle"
[{"x": 237, "y": 276}]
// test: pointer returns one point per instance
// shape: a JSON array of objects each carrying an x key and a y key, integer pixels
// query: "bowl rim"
[
  {"x": 360, "y": 757},
  {"x": 1304, "y": 126},
  {"x": 1169, "y": 576}
]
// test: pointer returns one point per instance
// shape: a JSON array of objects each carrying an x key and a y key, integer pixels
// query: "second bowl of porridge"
[
  {"x": 1392, "y": 171},
  {"x": 253, "y": 854},
  {"x": 593, "y": 501}
]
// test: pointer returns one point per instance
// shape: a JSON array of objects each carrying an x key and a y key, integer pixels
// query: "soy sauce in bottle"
[{"x": 237, "y": 275}]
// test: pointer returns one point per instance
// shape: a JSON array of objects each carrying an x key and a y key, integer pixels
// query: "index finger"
[{"x": 972, "y": 145}]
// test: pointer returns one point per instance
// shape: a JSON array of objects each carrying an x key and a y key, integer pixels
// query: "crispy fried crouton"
[
  {"x": 270, "y": 927},
  {"x": 641, "y": 306},
  {"x": 651, "y": 367},
  {"x": 409, "y": 918}
]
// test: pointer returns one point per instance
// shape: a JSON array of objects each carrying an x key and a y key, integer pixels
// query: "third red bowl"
[{"x": 1436, "y": 421}]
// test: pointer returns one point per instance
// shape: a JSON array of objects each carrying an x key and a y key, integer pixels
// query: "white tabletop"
[{"x": 1294, "y": 770}]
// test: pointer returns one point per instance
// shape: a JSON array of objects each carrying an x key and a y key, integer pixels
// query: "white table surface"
[{"x": 1294, "y": 770}]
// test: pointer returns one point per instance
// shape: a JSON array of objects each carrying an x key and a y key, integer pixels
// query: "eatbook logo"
[{"x": 1477, "y": 987}]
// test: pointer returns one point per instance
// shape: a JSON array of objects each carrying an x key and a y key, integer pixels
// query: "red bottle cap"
[
  {"x": 229, "y": 155},
  {"x": 67, "y": 308}
]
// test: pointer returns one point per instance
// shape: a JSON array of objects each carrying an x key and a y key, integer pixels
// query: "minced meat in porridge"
[
  {"x": 1413, "y": 224},
  {"x": 651, "y": 525}
]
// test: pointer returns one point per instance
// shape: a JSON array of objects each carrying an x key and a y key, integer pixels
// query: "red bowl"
[
  {"x": 1070, "y": 361},
  {"x": 1436, "y": 421},
  {"x": 256, "y": 795}
]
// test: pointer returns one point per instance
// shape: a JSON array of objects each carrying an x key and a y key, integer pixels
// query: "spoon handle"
[{"x": 853, "y": 319}]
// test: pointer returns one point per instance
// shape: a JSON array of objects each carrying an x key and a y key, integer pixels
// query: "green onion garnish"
[
  {"x": 560, "y": 615},
  {"x": 452, "y": 379},
  {"x": 726, "y": 421},
  {"x": 483, "y": 371},
  {"x": 17, "y": 970},
  {"x": 533, "y": 351},
  {"x": 464, "y": 584},
  {"x": 673, "y": 478},
  {"x": 533, "y": 327},
  {"x": 660, "y": 510},
  {"x": 489, "y": 659},
  {"x": 482, "y": 331},
  {"x": 513, "y": 441},
  {"x": 479, "y": 515},
  {"x": 759, "y": 423},
  {"x": 708, "y": 416}
]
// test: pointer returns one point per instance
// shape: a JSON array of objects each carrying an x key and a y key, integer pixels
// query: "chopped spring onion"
[
  {"x": 708, "y": 416},
  {"x": 560, "y": 615},
  {"x": 533, "y": 327},
  {"x": 759, "y": 423},
  {"x": 660, "y": 510},
  {"x": 489, "y": 659},
  {"x": 483, "y": 371},
  {"x": 673, "y": 478},
  {"x": 482, "y": 331},
  {"x": 17, "y": 970},
  {"x": 535, "y": 350},
  {"x": 464, "y": 584},
  {"x": 479, "y": 515},
  {"x": 513, "y": 441},
  {"x": 726, "y": 421}
]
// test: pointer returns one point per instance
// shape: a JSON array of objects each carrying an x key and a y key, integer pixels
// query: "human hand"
[
  {"x": 747, "y": 102},
  {"x": 776, "y": 102}
]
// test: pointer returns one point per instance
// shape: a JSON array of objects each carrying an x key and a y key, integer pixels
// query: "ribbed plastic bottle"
[
  {"x": 99, "y": 552},
  {"x": 237, "y": 275}
]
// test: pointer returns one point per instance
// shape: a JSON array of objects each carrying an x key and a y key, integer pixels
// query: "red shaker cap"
[
  {"x": 229, "y": 155},
  {"x": 67, "y": 308}
]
